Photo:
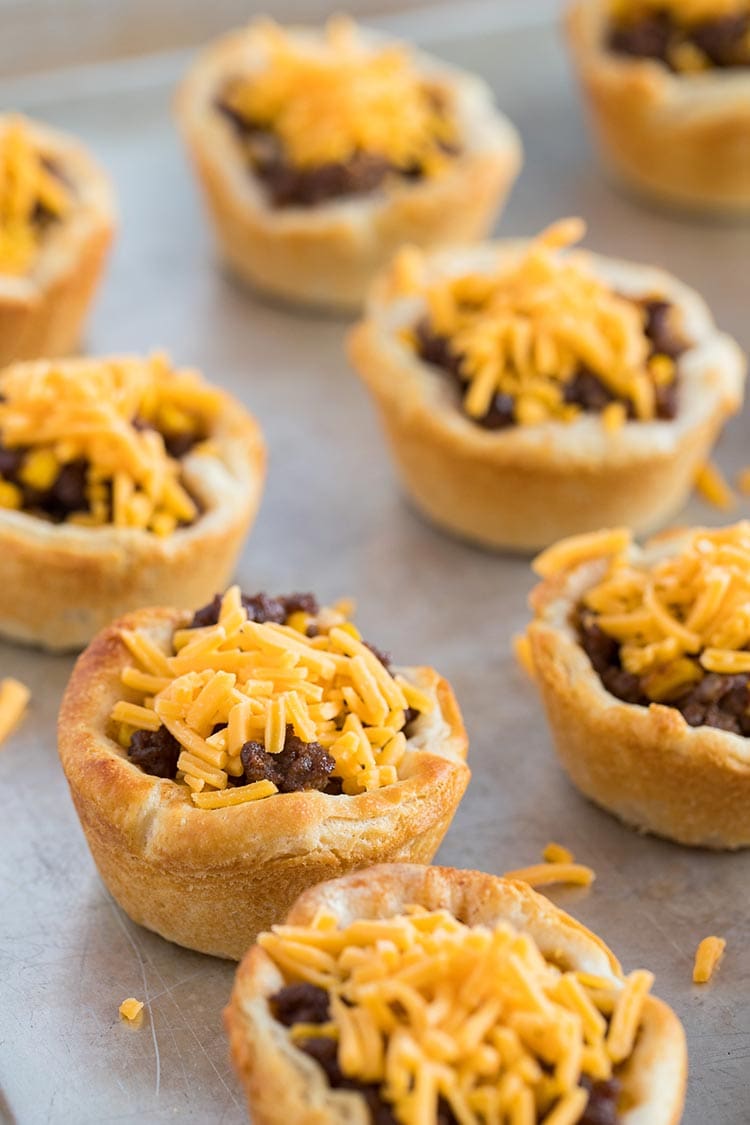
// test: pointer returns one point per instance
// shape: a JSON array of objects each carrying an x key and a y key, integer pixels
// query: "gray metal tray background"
[{"x": 333, "y": 521}]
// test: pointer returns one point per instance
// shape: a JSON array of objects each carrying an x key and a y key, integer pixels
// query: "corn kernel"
[
  {"x": 40, "y": 469},
  {"x": 10, "y": 495},
  {"x": 173, "y": 420}
]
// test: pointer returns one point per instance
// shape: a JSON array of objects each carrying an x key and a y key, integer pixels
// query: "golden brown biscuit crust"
[
  {"x": 326, "y": 256},
  {"x": 60, "y": 583},
  {"x": 528, "y": 486},
  {"x": 42, "y": 313},
  {"x": 644, "y": 764},
  {"x": 282, "y": 1084},
  {"x": 211, "y": 879},
  {"x": 679, "y": 139}
]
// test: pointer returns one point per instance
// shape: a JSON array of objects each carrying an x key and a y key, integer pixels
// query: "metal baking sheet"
[{"x": 333, "y": 520}]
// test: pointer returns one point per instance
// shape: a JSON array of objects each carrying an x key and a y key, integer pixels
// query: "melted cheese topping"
[
  {"x": 682, "y": 616},
  {"x": 707, "y": 957},
  {"x": 27, "y": 187},
  {"x": 335, "y": 99},
  {"x": 60, "y": 413},
  {"x": 257, "y": 678},
  {"x": 526, "y": 329},
  {"x": 427, "y": 1007}
]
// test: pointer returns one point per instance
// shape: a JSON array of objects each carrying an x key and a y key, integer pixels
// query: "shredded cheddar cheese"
[
  {"x": 28, "y": 188},
  {"x": 713, "y": 487},
  {"x": 332, "y": 100},
  {"x": 14, "y": 699},
  {"x": 557, "y": 853},
  {"x": 115, "y": 415},
  {"x": 544, "y": 874},
  {"x": 526, "y": 330},
  {"x": 682, "y": 616},
  {"x": 256, "y": 679},
  {"x": 131, "y": 1008},
  {"x": 428, "y": 1008},
  {"x": 707, "y": 957}
]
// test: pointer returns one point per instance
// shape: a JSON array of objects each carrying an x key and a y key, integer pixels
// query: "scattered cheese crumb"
[
  {"x": 131, "y": 1008},
  {"x": 707, "y": 957},
  {"x": 712, "y": 485},
  {"x": 14, "y": 698},
  {"x": 543, "y": 874},
  {"x": 556, "y": 853}
]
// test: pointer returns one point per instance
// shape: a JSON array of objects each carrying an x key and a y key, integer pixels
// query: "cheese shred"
[
  {"x": 707, "y": 957},
  {"x": 14, "y": 699}
]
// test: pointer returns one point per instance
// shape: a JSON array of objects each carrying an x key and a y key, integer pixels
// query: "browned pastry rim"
[
  {"x": 680, "y": 139},
  {"x": 211, "y": 879},
  {"x": 42, "y": 312},
  {"x": 644, "y": 764},
  {"x": 527, "y": 486},
  {"x": 326, "y": 256},
  {"x": 61, "y": 583},
  {"x": 282, "y": 1084}
]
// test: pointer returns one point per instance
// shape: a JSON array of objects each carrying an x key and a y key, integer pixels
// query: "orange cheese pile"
[
  {"x": 257, "y": 678},
  {"x": 427, "y": 1007},
  {"x": 336, "y": 98},
  {"x": 25, "y": 186},
  {"x": 525, "y": 330},
  {"x": 676, "y": 619},
  {"x": 67, "y": 411}
]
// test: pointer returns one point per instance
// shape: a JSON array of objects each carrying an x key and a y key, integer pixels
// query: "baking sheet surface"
[{"x": 333, "y": 521}]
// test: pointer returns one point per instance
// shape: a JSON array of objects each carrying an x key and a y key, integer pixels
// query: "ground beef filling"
[
  {"x": 722, "y": 42},
  {"x": 306, "y": 1003},
  {"x": 261, "y": 608},
  {"x": 718, "y": 700},
  {"x": 299, "y": 766},
  {"x": 585, "y": 389},
  {"x": 68, "y": 494},
  {"x": 291, "y": 186},
  {"x": 155, "y": 751}
]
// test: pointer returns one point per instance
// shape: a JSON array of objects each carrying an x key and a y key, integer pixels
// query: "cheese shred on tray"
[
  {"x": 455, "y": 1023},
  {"x": 543, "y": 338},
  {"x": 241, "y": 708},
  {"x": 32, "y": 196},
  {"x": 100, "y": 442}
]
